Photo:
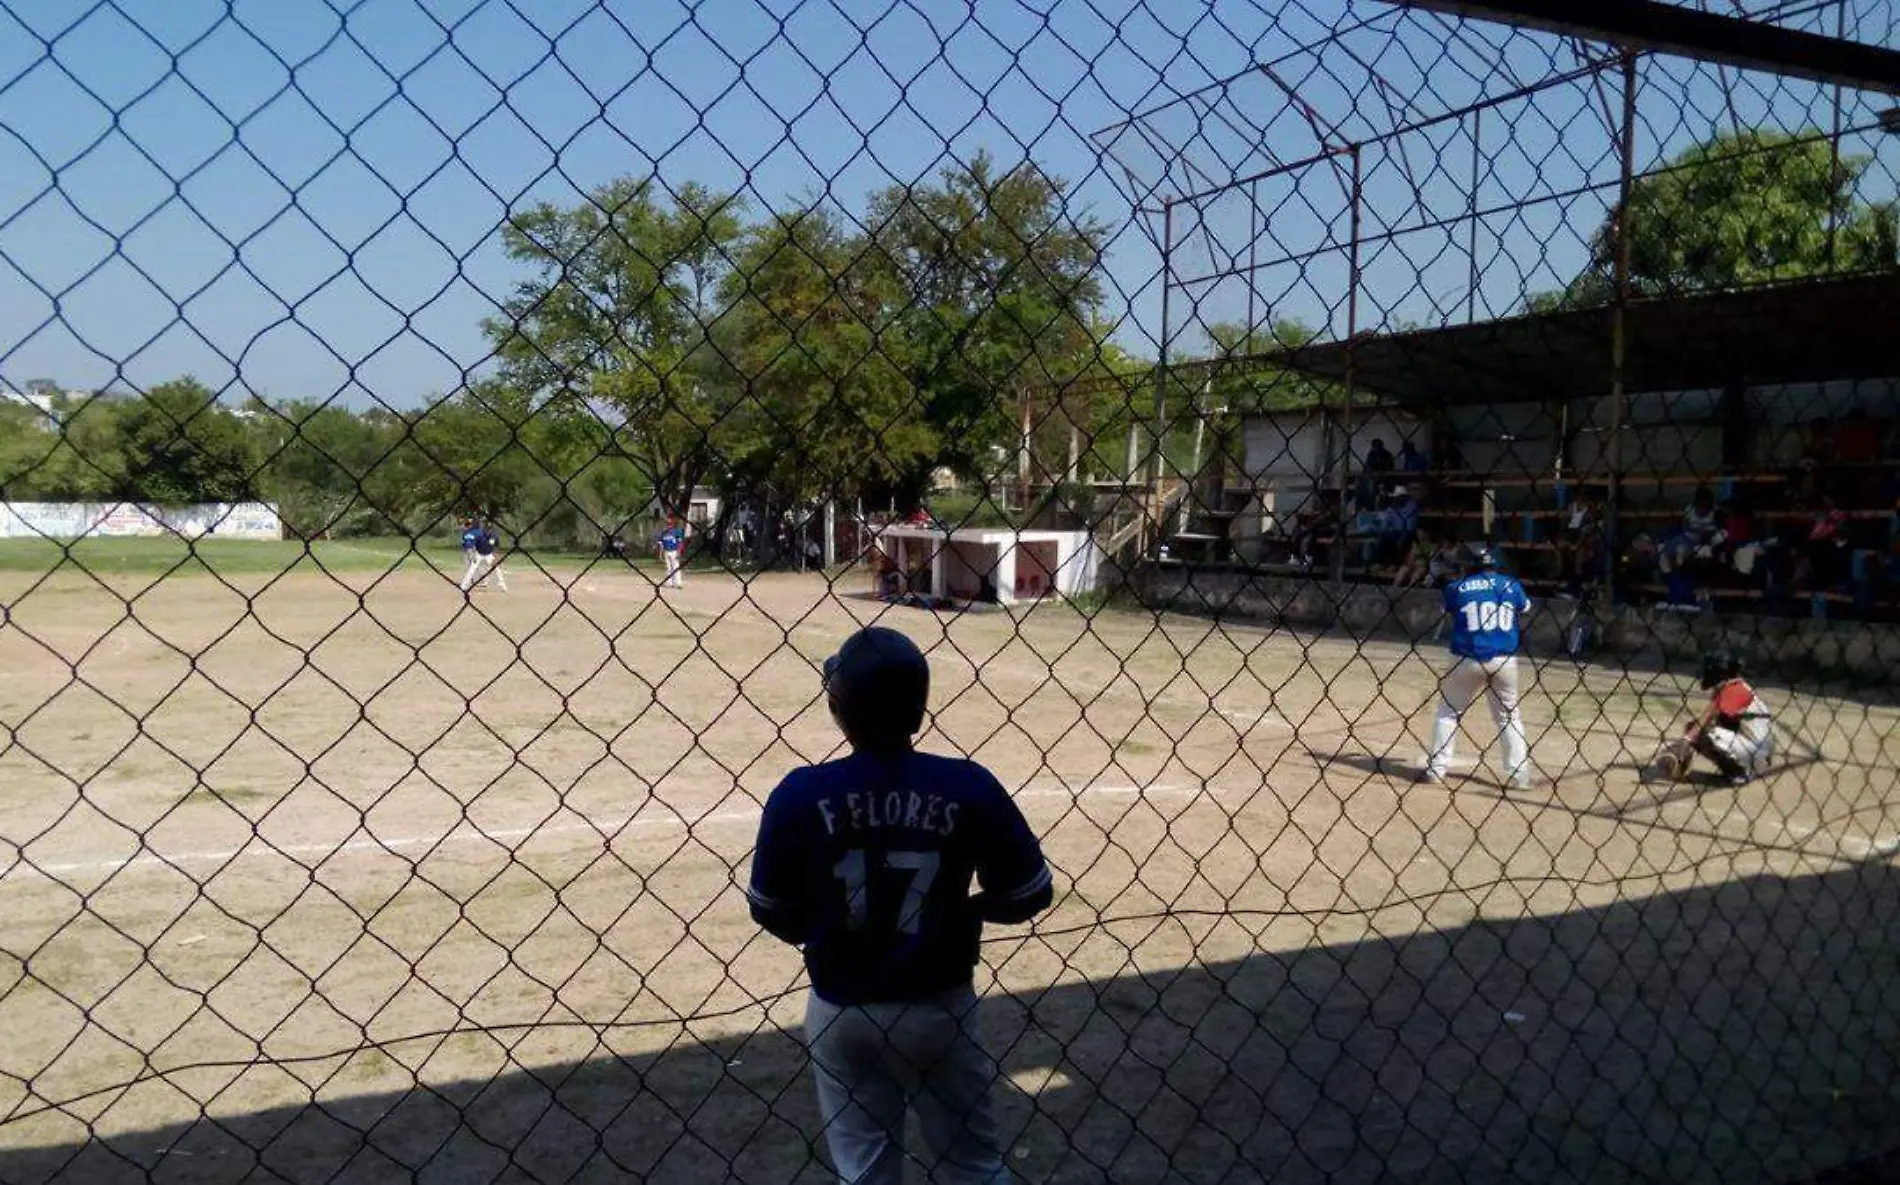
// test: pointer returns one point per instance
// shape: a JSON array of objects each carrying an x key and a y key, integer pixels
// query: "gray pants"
[{"x": 873, "y": 1060}]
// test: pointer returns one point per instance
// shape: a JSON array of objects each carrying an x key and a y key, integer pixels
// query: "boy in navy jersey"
[
  {"x": 1486, "y": 607},
  {"x": 867, "y": 862}
]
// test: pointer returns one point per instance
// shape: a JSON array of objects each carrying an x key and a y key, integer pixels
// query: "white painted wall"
[{"x": 77, "y": 520}]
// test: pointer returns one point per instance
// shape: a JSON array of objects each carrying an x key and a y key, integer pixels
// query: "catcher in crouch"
[{"x": 1735, "y": 732}]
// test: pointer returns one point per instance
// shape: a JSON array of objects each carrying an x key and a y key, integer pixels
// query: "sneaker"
[
  {"x": 1428, "y": 777},
  {"x": 1520, "y": 780},
  {"x": 1740, "y": 779}
]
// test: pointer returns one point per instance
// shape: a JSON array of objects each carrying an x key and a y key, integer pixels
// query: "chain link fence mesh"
[{"x": 1151, "y": 364}]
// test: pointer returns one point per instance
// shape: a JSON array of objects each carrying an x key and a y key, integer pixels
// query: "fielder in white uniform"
[{"x": 1486, "y": 608}]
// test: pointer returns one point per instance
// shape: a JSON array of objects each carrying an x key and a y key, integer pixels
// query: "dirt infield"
[{"x": 276, "y": 843}]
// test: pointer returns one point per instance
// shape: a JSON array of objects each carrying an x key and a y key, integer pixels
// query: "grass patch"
[{"x": 166, "y": 556}]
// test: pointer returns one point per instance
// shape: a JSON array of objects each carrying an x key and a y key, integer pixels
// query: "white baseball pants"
[
  {"x": 1496, "y": 680},
  {"x": 673, "y": 574},
  {"x": 479, "y": 566},
  {"x": 1749, "y": 753},
  {"x": 872, "y": 1061}
]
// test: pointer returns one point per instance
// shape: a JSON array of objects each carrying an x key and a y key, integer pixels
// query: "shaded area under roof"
[{"x": 1810, "y": 331}]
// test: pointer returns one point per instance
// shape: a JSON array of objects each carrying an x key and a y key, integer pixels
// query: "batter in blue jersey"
[{"x": 1486, "y": 607}]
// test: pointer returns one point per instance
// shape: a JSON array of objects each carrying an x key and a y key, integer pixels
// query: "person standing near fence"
[
  {"x": 867, "y": 863},
  {"x": 1487, "y": 608},
  {"x": 672, "y": 545}
]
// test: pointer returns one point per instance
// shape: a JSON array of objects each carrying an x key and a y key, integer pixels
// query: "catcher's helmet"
[
  {"x": 878, "y": 685},
  {"x": 1719, "y": 666}
]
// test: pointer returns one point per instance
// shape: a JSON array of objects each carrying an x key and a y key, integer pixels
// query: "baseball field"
[{"x": 327, "y": 874}]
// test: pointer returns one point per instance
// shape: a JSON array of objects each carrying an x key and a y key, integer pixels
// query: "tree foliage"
[
  {"x": 1001, "y": 296},
  {"x": 1742, "y": 208},
  {"x": 658, "y": 340},
  {"x": 820, "y": 374}
]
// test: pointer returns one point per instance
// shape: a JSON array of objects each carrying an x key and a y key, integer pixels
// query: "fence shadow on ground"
[{"x": 1747, "y": 1031}]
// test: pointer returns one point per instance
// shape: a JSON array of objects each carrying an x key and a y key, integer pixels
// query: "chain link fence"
[{"x": 441, "y": 443}]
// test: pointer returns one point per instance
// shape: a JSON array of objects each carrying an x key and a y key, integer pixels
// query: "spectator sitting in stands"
[
  {"x": 1426, "y": 562},
  {"x": 1321, "y": 513},
  {"x": 1401, "y": 522},
  {"x": 1817, "y": 454},
  {"x": 1827, "y": 552},
  {"x": 1636, "y": 567},
  {"x": 1578, "y": 541},
  {"x": 1378, "y": 471},
  {"x": 1739, "y": 549},
  {"x": 1411, "y": 460},
  {"x": 1699, "y": 535},
  {"x": 1379, "y": 459}
]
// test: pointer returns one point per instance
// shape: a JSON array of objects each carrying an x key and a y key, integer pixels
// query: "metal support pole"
[
  {"x": 1196, "y": 479},
  {"x": 1024, "y": 447},
  {"x": 1471, "y": 212},
  {"x": 1161, "y": 370},
  {"x": 1253, "y": 265},
  {"x": 1834, "y": 148},
  {"x": 831, "y": 533},
  {"x": 1340, "y": 539},
  {"x": 1618, "y": 343}
]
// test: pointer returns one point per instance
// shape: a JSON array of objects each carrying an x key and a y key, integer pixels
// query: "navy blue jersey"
[
  {"x": 470, "y": 538},
  {"x": 486, "y": 542},
  {"x": 876, "y": 852},
  {"x": 1486, "y": 610}
]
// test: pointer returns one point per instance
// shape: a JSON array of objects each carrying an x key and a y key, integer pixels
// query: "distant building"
[{"x": 39, "y": 401}]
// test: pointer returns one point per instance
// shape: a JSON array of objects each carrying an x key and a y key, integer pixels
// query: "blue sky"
[{"x": 302, "y": 200}]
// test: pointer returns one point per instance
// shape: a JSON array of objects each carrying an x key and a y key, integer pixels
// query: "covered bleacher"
[{"x": 1739, "y": 454}]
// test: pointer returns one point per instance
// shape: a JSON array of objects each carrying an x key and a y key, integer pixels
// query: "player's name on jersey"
[{"x": 928, "y": 813}]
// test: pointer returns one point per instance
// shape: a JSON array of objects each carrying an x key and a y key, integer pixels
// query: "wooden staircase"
[{"x": 1144, "y": 518}]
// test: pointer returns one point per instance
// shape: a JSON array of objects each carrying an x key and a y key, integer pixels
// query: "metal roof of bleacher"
[{"x": 1807, "y": 331}]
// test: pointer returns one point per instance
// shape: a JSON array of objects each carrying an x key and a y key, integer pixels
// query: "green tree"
[
  {"x": 74, "y": 455},
  {"x": 465, "y": 454},
  {"x": 614, "y": 317},
  {"x": 1250, "y": 382},
  {"x": 1002, "y": 290},
  {"x": 181, "y": 446},
  {"x": 1742, "y": 208},
  {"x": 319, "y": 459},
  {"x": 822, "y": 401},
  {"x": 28, "y": 441}
]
